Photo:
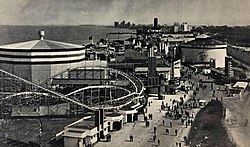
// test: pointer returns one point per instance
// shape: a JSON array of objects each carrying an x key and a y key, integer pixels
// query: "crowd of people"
[{"x": 181, "y": 109}]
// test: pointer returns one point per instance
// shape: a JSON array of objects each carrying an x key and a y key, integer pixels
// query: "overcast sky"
[{"x": 104, "y": 12}]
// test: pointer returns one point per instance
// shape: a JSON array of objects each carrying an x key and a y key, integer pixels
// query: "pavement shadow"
[
  {"x": 140, "y": 121},
  {"x": 150, "y": 131},
  {"x": 172, "y": 135}
]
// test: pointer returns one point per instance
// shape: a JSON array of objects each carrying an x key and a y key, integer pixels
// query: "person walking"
[
  {"x": 131, "y": 138},
  {"x": 167, "y": 131},
  {"x": 163, "y": 122},
  {"x": 159, "y": 142},
  {"x": 154, "y": 137},
  {"x": 145, "y": 118},
  {"x": 176, "y": 131},
  {"x": 170, "y": 124},
  {"x": 182, "y": 121},
  {"x": 154, "y": 129}
]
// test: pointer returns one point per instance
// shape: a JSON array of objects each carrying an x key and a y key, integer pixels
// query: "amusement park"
[{"x": 102, "y": 93}]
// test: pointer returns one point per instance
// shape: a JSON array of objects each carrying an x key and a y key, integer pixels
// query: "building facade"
[
  {"x": 204, "y": 50},
  {"x": 39, "y": 60}
]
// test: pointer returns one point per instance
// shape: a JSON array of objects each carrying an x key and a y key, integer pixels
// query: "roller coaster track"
[
  {"x": 131, "y": 78},
  {"x": 47, "y": 90},
  {"x": 25, "y": 93},
  {"x": 137, "y": 84},
  {"x": 93, "y": 87}
]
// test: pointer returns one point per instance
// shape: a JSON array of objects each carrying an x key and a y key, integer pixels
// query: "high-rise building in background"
[
  {"x": 155, "y": 23},
  {"x": 176, "y": 27},
  {"x": 128, "y": 25},
  {"x": 122, "y": 25},
  {"x": 184, "y": 27},
  {"x": 116, "y": 24}
]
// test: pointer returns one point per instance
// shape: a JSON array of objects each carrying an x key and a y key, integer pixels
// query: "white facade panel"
[{"x": 194, "y": 55}]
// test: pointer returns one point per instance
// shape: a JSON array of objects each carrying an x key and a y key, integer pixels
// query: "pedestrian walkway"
[
  {"x": 183, "y": 132},
  {"x": 142, "y": 135}
]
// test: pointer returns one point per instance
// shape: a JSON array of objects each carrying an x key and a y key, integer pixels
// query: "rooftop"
[
  {"x": 113, "y": 114},
  {"x": 203, "y": 41},
  {"x": 85, "y": 124},
  {"x": 158, "y": 69},
  {"x": 41, "y": 44},
  {"x": 240, "y": 85}
]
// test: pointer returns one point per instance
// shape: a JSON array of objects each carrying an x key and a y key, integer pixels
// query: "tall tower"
[
  {"x": 155, "y": 23},
  {"x": 151, "y": 64},
  {"x": 153, "y": 78}
]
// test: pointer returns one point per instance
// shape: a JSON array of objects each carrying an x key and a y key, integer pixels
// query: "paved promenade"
[{"x": 143, "y": 136}]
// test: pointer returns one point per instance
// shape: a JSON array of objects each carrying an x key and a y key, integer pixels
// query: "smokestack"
[{"x": 41, "y": 34}]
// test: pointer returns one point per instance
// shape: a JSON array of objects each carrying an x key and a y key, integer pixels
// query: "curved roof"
[
  {"x": 203, "y": 36},
  {"x": 41, "y": 44},
  {"x": 41, "y": 52},
  {"x": 204, "y": 41}
]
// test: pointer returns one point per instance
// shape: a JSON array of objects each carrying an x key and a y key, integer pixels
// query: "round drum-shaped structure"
[
  {"x": 204, "y": 50},
  {"x": 41, "y": 52},
  {"x": 38, "y": 60}
]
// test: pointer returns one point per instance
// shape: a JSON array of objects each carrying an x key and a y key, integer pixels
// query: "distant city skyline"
[{"x": 105, "y": 12}]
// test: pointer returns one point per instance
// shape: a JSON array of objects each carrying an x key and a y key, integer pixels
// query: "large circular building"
[
  {"x": 204, "y": 50},
  {"x": 39, "y": 60}
]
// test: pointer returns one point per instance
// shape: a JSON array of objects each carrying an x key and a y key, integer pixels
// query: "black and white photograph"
[{"x": 124, "y": 73}]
